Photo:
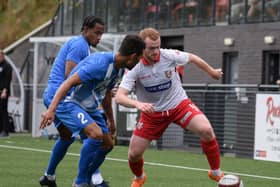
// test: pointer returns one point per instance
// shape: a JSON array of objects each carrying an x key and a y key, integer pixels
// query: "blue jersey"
[
  {"x": 97, "y": 73},
  {"x": 76, "y": 49}
]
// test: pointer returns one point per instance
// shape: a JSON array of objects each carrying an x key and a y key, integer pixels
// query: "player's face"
[
  {"x": 152, "y": 49},
  {"x": 134, "y": 59},
  {"x": 93, "y": 35}
]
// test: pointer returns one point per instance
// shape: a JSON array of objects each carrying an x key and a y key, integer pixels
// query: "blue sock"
[
  {"x": 91, "y": 157},
  {"x": 58, "y": 152},
  {"x": 87, "y": 153},
  {"x": 97, "y": 160}
]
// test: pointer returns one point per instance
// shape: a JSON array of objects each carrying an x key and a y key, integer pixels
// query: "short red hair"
[{"x": 152, "y": 33}]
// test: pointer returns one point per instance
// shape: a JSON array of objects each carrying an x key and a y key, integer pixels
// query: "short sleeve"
[
  {"x": 177, "y": 56},
  {"x": 129, "y": 79},
  {"x": 77, "y": 51}
]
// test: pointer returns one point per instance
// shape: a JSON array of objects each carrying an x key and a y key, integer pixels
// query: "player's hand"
[
  {"x": 47, "y": 119},
  {"x": 145, "y": 107},
  {"x": 217, "y": 74},
  {"x": 4, "y": 94},
  {"x": 114, "y": 90}
]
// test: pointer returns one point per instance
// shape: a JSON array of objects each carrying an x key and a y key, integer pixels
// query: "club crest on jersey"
[{"x": 168, "y": 73}]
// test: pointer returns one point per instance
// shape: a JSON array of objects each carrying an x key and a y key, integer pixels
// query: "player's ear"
[
  {"x": 85, "y": 29},
  {"x": 137, "y": 56},
  {"x": 132, "y": 56}
]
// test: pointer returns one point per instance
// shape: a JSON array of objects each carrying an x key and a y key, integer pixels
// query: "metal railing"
[
  {"x": 230, "y": 109},
  {"x": 125, "y": 15}
]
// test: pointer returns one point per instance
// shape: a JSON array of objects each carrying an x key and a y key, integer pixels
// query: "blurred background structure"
[{"x": 240, "y": 36}]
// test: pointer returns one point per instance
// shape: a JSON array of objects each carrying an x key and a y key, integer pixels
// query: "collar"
[{"x": 145, "y": 62}]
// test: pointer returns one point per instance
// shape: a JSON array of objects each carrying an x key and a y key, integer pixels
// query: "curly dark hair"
[{"x": 90, "y": 22}]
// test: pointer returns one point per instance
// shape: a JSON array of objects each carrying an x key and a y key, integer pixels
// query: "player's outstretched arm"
[
  {"x": 199, "y": 62},
  {"x": 123, "y": 99},
  {"x": 48, "y": 116}
]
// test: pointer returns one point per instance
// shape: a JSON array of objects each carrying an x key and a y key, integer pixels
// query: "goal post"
[{"x": 45, "y": 50}]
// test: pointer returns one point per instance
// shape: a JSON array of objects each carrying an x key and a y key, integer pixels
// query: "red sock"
[
  {"x": 137, "y": 167},
  {"x": 211, "y": 149}
]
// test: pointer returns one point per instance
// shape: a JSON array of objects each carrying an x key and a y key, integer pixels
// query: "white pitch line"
[{"x": 146, "y": 163}]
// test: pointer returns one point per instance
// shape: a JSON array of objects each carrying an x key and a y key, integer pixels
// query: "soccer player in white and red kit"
[{"x": 162, "y": 100}]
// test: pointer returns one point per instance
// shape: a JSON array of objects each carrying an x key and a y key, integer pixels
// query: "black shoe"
[
  {"x": 103, "y": 184},
  {"x": 4, "y": 134},
  {"x": 44, "y": 181}
]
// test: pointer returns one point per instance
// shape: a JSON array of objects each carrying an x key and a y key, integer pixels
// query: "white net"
[{"x": 45, "y": 50}]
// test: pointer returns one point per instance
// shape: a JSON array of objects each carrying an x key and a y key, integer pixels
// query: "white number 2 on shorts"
[{"x": 81, "y": 116}]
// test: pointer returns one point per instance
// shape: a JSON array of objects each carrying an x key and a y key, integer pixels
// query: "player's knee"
[
  {"x": 65, "y": 138},
  {"x": 207, "y": 133},
  {"x": 134, "y": 156},
  {"x": 109, "y": 149},
  {"x": 109, "y": 145},
  {"x": 94, "y": 131},
  {"x": 95, "y": 135}
]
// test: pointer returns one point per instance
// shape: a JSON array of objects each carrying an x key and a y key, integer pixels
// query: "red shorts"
[{"x": 152, "y": 126}]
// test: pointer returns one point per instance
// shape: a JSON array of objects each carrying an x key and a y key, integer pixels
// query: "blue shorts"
[
  {"x": 76, "y": 118},
  {"x": 47, "y": 101}
]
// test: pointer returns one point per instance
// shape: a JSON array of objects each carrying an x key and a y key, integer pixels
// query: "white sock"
[
  {"x": 96, "y": 178},
  {"x": 216, "y": 172},
  {"x": 50, "y": 177},
  {"x": 139, "y": 177}
]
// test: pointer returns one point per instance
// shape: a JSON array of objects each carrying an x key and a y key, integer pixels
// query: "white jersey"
[{"x": 158, "y": 83}]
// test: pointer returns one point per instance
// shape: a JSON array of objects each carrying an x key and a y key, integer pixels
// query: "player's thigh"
[
  {"x": 137, "y": 146},
  {"x": 201, "y": 126},
  {"x": 93, "y": 131},
  {"x": 100, "y": 123},
  {"x": 100, "y": 120},
  {"x": 64, "y": 132},
  {"x": 75, "y": 118}
]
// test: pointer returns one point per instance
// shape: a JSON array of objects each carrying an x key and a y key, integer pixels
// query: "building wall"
[{"x": 208, "y": 43}]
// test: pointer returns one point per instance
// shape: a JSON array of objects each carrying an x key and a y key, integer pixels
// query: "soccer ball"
[{"x": 230, "y": 181}]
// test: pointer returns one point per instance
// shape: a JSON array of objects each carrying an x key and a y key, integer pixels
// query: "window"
[
  {"x": 230, "y": 68},
  {"x": 271, "y": 67}
]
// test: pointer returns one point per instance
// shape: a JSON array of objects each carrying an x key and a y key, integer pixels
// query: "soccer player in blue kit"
[
  {"x": 78, "y": 111},
  {"x": 71, "y": 53}
]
